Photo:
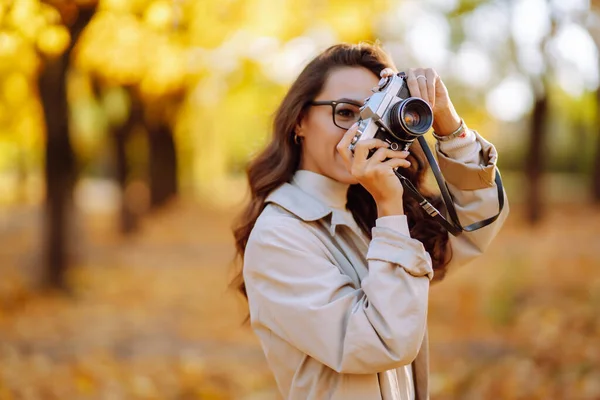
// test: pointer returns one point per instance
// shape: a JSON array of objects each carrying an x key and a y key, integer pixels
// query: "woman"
[{"x": 337, "y": 262}]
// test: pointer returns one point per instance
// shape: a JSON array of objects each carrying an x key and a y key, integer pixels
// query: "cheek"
[
  {"x": 329, "y": 141},
  {"x": 323, "y": 134}
]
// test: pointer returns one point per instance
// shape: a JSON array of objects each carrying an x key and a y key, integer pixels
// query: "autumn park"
[{"x": 125, "y": 130}]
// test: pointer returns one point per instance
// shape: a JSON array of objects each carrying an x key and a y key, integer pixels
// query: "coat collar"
[
  {"x": 305, "y": 206},
  {"x": 298, "y": 202}
]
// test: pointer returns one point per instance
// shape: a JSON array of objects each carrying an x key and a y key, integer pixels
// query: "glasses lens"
[{"x": 346, "y": 114}]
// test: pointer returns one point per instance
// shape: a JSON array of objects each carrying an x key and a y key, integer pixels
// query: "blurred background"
[{"x": 125, "y": 128}]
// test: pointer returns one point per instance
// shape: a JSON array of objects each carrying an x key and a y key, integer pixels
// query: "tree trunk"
[
  {"x": 162, "y": 163},
  {"x": 60, "y": 168},
  {"x": 594, "y": 31},
  {"x": 128, "y": 221},
  {"x": 596, "y": 166},
  {"x": 534, "y": 163}
]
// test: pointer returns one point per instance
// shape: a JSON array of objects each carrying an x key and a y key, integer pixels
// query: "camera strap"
[{"x": 454, "y": 227}]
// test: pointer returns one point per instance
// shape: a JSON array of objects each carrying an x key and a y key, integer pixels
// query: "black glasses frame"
[{"x": 334, "y": 104}]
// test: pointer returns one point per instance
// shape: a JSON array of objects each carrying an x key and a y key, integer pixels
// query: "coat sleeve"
[
  {"x": 469, "y": 168},
  {"x": 296, "y": 292}
]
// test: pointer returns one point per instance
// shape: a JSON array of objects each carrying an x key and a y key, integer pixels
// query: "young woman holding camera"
[{"x": 337, "y": 261}]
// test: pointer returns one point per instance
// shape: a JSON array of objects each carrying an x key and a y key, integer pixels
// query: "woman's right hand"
[{"x": 376, "y": 173}]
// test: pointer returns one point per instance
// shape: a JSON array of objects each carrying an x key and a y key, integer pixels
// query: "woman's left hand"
[{"x": 426, "y": 84}]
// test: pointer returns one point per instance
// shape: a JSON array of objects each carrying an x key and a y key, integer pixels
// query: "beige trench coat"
[{"x": 342, "y": 317}]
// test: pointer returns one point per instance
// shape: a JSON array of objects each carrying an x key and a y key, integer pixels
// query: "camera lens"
[{"x": 410, "y": 118}]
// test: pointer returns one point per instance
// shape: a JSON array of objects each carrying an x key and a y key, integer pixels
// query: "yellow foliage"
[
  {"x": 123, "y": 6},
  {"x": 33, "y": 28},
  {"x": 22, "y": 12},
  {"x": 166, "y": 72},
  {"x": 16, "y": 54},
  {"x": 115, "y": 47},
  {"x": 15, "y": 89},
  {"x": 3, "y": 7},
  {"x": 211, "y": 30},
  {"x": 350, "y": 19},
  {"x": 50, "y": 14},
  {"x": 53, "y": 40},
  {"x": 160, "y": 15}
]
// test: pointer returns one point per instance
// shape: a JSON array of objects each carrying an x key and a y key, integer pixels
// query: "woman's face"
[{"x": 320, "y": 135}]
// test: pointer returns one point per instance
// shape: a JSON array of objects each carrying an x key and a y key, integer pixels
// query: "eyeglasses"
[{"x": 344, "y": 113}]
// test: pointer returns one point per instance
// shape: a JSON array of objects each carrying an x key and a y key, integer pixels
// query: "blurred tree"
[
  {"x": 121, "y": 135},
  {"x": 596, "y": 165},
  {"x": 538, "y": 126},
  {"x": 534, "y": 161},
  {"x": 593, "y": 26},
  {"x": 140, "y": 48},
  {"x": 537, "y": 146},
  {"x": 60, "y": 165},
  {"x": 162, "y": 153},
  {"x": 508, "y": 61}
]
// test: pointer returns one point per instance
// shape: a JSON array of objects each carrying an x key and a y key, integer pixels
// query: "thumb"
[{"x": 440, "y": 88}]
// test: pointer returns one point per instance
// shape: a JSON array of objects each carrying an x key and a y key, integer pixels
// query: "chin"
[{"x": 345, "y": 177}]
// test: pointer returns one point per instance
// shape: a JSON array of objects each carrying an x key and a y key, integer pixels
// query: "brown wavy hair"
[{"x": 278, "y": 162}]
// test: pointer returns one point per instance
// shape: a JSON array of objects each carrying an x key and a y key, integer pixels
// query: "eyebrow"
[{"x": 351, "y": 101}]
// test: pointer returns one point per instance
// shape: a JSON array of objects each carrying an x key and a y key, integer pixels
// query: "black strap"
[{"x": 454, "y": 227}]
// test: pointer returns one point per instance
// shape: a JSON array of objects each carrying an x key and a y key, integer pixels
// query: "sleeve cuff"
[
  {"x": 465, "y": 149},
  {"x": 467, "y": 176},
  {"x": 398, "y": 223},
  {"x": 391, "y": 246}
]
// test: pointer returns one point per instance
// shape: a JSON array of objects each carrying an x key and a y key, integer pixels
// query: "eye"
[{"x": 347, "y": 111}]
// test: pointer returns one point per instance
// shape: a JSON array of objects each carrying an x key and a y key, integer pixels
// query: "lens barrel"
[{"x": 410, "y": 118}]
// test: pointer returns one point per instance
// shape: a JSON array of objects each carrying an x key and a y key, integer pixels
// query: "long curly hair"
[{"x": 278, "y": 162}]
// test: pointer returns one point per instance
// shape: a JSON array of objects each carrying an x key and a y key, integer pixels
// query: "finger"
[
  {"x": 348, "y": 135},
  {"x": 361, "y": 151},
  {"x": 386, "y": 72},
  {"x": 379, "y": 155},
  {"x": 342, "y": 146},
  {"x": 396, "y": 163},
  {"x": 432, "y": 77},
  {"x": 413, "y": 85},
  {"x": 440, "y": 88},
  {"x": 422, "y": 81},
  {"x": 384, "y": 153}
]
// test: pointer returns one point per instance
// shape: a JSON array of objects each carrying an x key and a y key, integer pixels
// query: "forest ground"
[{"x": 150, "y": 316}]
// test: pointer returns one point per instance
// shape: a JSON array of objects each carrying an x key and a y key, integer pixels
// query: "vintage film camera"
[{"x": 390, "y": 114}]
